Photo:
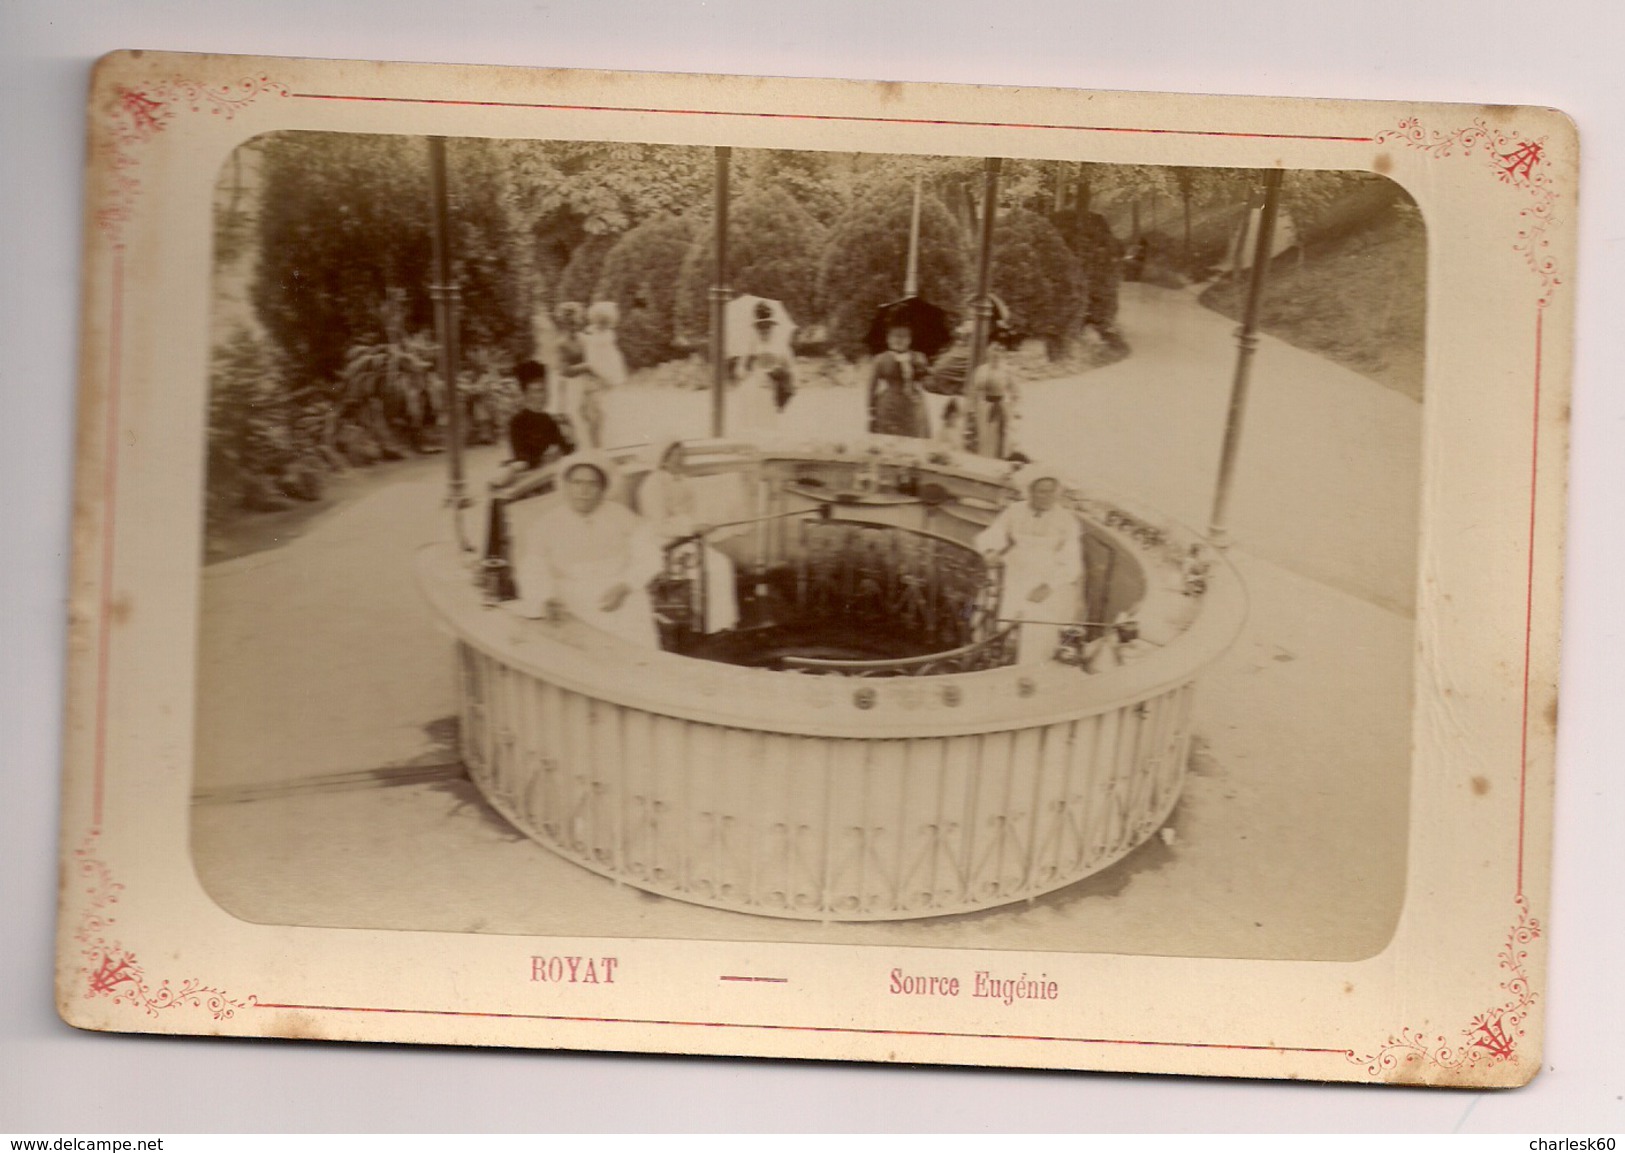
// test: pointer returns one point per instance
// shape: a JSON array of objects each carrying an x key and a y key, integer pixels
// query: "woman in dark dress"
[
  {"x": 532, "y": 431},
  {"x": 896, "y": 397}
]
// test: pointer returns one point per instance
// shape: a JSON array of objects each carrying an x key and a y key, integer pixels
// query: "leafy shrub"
[
  {"x": 264, "y": 442},
  {"x": 343, "y": 220},
  {"x": 639, "y": 275},
  {"x": 1100, "y": 262},
  {"x": 344, "y": 225},
  {"x": 773, "y": 250},
  {"x": 1037, "y": 277},
  {"x": 866, "y": 260},
  {"x": 580, "y": 277},
  {"x": 389, "y": 388}
]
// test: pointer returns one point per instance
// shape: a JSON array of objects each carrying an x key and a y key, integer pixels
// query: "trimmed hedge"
[
  {"x": 1037, "y": 277},
  {"x": 774, "y": 246},
  {"x": 867, "y": 258},
  {"x": 639, "y": 275}
]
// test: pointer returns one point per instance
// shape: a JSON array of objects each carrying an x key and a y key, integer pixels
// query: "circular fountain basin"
[{"x": 864, "y": 747}]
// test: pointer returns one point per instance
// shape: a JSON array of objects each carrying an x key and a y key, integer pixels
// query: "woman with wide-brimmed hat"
[
  {"x": 590, "y": 557},
  {"x": 764, "y": 372},
  {"x": 896, "y": 386},
  {"x": 1039, "y": 545}
]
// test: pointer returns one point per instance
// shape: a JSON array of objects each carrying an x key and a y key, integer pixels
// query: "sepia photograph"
[
  {"x": 833, "y": 547},
  {"x": 816, "y": 569}
]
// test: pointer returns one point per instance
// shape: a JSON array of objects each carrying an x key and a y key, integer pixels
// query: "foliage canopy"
[{"x": 866, "y": 260}]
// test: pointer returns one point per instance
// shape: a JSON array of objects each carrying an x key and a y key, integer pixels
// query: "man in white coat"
[{"x": 1040, "y": 546}]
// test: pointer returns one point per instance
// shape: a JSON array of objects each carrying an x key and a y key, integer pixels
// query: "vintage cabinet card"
[{"x": 1057, "y": 579}]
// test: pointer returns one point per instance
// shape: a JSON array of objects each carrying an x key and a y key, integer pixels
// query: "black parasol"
[{"x": 926, "y": 321}]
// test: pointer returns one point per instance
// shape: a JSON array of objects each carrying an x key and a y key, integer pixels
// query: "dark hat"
[
  {"x": 764, "y": 313},
  {"x": 528, "y": 372}
]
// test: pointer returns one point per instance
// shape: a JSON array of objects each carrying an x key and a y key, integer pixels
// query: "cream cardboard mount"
[{"x": 1270, "y": 797}]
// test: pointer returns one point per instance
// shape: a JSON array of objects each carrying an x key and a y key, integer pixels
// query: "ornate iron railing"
[{"x": 680, "y": 592}]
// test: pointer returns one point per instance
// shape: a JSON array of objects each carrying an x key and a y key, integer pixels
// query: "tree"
[
  {"x": 344, "y": 227},
  {"x": 639, "y": 274},
  {"x": 605, "y": 186},
  {"x": 263, "y": 439},
  {"x": 1326, "y": 205},
  {"x": 561, "y": 194},
  {"x": 867, "y": 256},
  {"x": 343, "y": 219},
  {"x": 1099, "y": 256},
  {"x": 774, "y": 247},
  {"x": 817, "y": 181},
  {"x": 1038, "y": 278},
  {"x": 491, "y": 266},
  {"x": 579, "y": 279}
]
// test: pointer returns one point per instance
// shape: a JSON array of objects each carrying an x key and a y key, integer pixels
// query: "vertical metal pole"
[
  {"x": 983, "y": 307},
  {"x": 446, "y": 297},
  {"x": 719, "y": 298},
  {"x": 911, "y": 278},
  {"x": 1247, "y": 343}
]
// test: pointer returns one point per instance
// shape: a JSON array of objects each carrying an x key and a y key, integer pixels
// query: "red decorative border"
[
  {"x": 136, "y": 115},
  {"x": 1493, "y": 1035},
  {"x": 1515, "y": 161},
  {"x": 133, "y": 116},
  {"x": 826, "y": 117},
  {"x": 107, "y": 969}
]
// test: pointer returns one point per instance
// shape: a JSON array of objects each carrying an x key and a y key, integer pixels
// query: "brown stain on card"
[
  {"x": 1481, "y": 786},
  {"x": 296, "y": 1026},
  {"x": 1383, "y": 164},
  {"x": 120, "y": 609}
]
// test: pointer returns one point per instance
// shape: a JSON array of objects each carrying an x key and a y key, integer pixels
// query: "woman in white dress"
[
  {"x": 758, "y": 369},
  {"x": 589, "y": 557},
  {"x": 668, "y": 500},
  {"x": 606, "y": 367},
  {"x": 1040, "y": 547}
]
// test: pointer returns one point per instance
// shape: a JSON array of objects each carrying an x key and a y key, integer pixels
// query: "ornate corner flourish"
[
  {"x": 1491, "y": 1037},
  {"x": 1515, "y": 161},
  {"x": 107, "y": 969},
  {"x": 134, "y": 115}
]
